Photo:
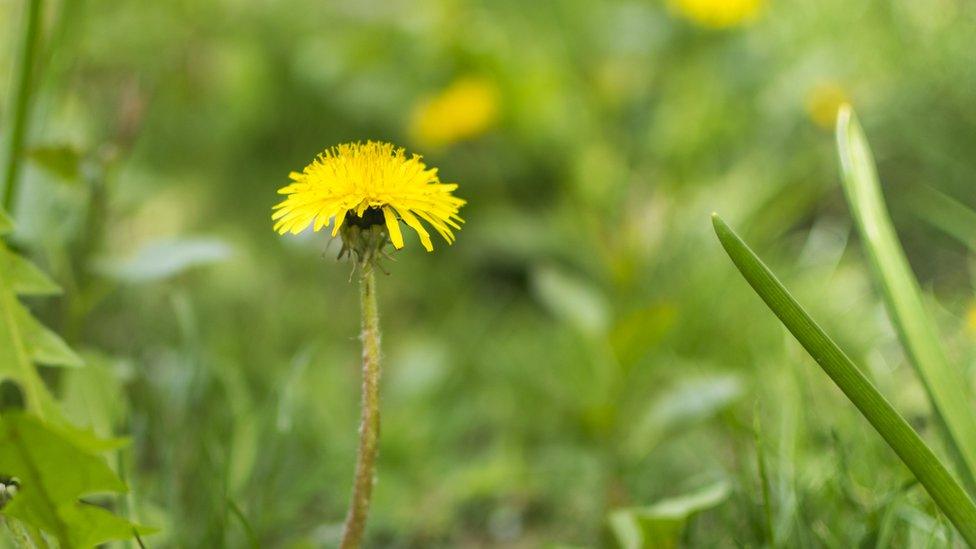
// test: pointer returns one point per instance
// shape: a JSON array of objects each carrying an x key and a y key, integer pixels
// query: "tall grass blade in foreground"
[
  {"x": 945, "y": 384},
  {"x": 923, "y": 463},
  {"x": 21, "y": 106}
]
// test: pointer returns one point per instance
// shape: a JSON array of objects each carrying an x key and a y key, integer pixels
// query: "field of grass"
[{"x": 590, "y": 364}]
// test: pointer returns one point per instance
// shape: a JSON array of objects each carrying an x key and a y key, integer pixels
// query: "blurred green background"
[{"x": 584, "y": 347}]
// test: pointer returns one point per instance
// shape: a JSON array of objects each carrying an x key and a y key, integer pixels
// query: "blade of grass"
[
  {"x": 18, "y": 130},
  {"x": 921, "y": 461},
  {"x": 946, "y": 386},
  {"x": 946, "y": 214},
  {"x": 763, "y": 478}
]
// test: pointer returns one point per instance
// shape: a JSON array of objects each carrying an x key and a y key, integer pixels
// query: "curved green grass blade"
[
  {"x": 923, "y": 463},
  {"x": 946, "y": 386},
  {"x": 946, "y": 214}
]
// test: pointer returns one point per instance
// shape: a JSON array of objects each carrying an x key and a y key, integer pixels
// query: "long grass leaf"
[
  {"x": 946, "y": 386},
  {"x": 921, "y": 461}
]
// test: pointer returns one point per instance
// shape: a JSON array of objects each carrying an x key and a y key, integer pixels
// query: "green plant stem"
[
  {"x": 763, "y": 479},
  {"x": 369, "y": 428},
  {"x": 15, "y": 141}
]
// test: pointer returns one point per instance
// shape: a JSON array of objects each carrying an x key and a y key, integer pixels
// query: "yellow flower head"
[
  {"x": 365, "y": 184},
  {"x": 718, "y": 14},
  {"x": 465, "y": 109}
]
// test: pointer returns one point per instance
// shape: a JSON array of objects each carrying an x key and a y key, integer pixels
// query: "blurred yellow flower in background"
[
  {"x": 971, "y": 319},
  {"x": 467, "y": 108},
  {"x": 718, "y": 14},
  {"x": 367, "y": 184},
  {"x": 823, "y": 102}
]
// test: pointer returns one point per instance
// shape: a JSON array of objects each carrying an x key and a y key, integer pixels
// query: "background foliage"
[{"x": 584, "y": 362}]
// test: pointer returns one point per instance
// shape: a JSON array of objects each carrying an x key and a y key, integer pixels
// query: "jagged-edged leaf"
[
  {"x": 660, "y": 525},
  {"x": 42, "y": 345},
  {"x": 15, "y": 361},
  {"x": 23, "y": 340},
  {"x": 24, "y": 277},
  {"x": 54, "y": 473}
]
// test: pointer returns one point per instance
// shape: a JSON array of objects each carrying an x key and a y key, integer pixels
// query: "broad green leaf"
[
  {"x": 92, "y": 396},
  {"x": 166, "y": 258},
  {"x": 660, "y": 525},
  {"x": 6, "y": 224},
  {"x": 245, "y": 446},
  {"x": 946, "y": 386},
  {"x": 63, "y": 161},
  {"x": 54, "y": 472},
  {"x": 572, "y": 300},
  {"x": 692, "y": 401},
  {"x": 921, "y": 461}
]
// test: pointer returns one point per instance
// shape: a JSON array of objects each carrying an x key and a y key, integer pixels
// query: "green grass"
[
  {"x": 945, "y": 384},
  {"x": 913, "y": 452},
  {"x": 583, "y": 356}
]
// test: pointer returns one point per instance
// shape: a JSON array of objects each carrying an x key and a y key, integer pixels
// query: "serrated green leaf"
[
  {"x": 91, "y": 525},
  {"x": 54, "y": 472},
  {"x": 660, "y": 525},
  {"x": 946, "y": 385},
  {"x": 42, "y": 345},
  {"x": 23, "y": 340},
  {"x": 913, "y": 452},
  {"x": 24, "y": 277}
]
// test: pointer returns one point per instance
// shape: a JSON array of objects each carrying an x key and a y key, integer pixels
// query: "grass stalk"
[
  {"x": 948, "y": 494},
  {"x": 21, "y": 106},
  {"x": 945, "y": 384},
  {"x": 767, "y": 503}
]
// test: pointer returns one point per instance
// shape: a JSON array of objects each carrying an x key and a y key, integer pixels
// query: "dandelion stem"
[
  {"x": 369, "y": 429},
  {"x": 18, "y": 130}
]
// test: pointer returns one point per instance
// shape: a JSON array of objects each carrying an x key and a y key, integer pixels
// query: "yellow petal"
[
  {"x": 393, "y": 227},
  {"x": 414, "y": 224},
  {"x": 339, "y": 218}
]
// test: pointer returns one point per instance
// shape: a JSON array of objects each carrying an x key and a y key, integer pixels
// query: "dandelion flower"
[
  {"x": 364, "y": 190},
  {"x": 465, "y": 109},
  {"x": 369, "y": 184},
  {"x": 718, "y": 14}
]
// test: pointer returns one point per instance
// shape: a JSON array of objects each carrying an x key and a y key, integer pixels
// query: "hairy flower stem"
[{"x": 369, "y": 428}]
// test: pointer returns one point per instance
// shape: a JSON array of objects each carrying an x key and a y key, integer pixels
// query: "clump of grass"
[{"x": 945, "y": 386}]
